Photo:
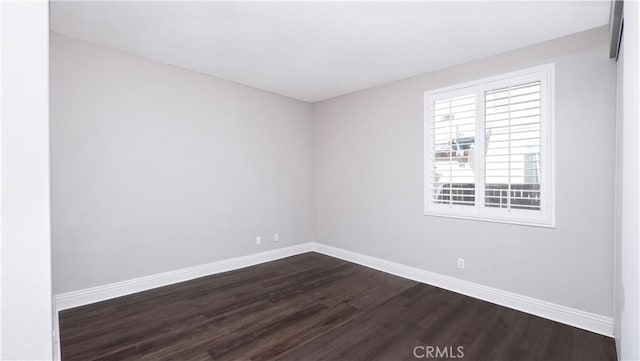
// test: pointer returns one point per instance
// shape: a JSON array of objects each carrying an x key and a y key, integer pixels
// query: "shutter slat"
[
  {"x": 518, "y": 110},
  {"x": 508, "y": 97}
]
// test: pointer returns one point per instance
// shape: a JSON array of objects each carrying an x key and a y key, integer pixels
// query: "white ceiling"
[{"x": 318, "y": 50}]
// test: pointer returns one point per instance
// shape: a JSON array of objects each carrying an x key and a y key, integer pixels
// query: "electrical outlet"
[
  {"x": 461, "y": 263},
  {"x": 258, "y": 240},
  {"x": 276, "y": 237}
]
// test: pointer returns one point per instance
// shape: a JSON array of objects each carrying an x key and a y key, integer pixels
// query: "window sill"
[{"x": 551, "y": 225}]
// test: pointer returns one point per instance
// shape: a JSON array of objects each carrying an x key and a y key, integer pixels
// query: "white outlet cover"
[{"x": 258, "y": 240}]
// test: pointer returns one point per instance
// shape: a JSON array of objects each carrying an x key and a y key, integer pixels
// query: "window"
[{"x": 489, "y": 149}]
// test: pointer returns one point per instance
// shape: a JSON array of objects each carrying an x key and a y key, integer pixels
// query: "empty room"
[{"x": 357, "y": 180}]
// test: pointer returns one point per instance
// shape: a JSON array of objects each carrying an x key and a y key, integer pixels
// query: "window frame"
[{"x": 546, "y": 217}]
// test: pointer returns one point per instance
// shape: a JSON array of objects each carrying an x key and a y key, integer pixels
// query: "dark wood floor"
[{"x": 314, "y": 307}]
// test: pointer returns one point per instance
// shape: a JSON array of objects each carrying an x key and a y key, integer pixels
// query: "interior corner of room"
[{"x": 300, "y": 180}]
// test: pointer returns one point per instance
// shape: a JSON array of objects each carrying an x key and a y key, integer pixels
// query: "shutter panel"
[
  {"x": 452, "y": 135},
  {"x": 512, "y": 162}
]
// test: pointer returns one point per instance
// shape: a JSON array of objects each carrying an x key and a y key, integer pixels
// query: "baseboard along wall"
[{"x": 585, "y": 320}]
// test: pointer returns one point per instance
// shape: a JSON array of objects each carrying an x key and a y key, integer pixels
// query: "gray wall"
[
  {"x": 368, "y": 150},
  {"x": 627, "y": 252},
  {"x": 155, "y": 168}
]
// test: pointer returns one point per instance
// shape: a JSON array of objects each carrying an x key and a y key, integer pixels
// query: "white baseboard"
[
  {"x": 101, "y": 293},
  {"x": 56, "y": 333},
  {"x": 567, "y": 315}
]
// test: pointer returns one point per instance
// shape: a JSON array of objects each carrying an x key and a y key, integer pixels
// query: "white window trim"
[{"x": 547, "y": 219}]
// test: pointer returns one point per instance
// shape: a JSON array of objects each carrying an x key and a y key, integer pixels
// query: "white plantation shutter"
[
  {"x": 453, "y": 126},
  {"x": 512, "y": 147},
  {"x": 489, "y": 149}
]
